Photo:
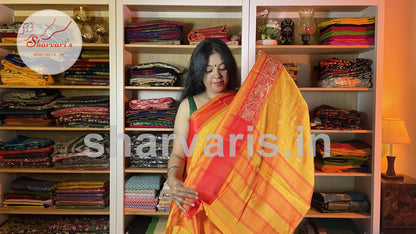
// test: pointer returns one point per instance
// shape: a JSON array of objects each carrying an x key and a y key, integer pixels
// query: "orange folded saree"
[{"x": 251, "y": 163}]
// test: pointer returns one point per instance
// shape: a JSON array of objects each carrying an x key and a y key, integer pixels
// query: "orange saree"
[{"x": 251, "y": 164}]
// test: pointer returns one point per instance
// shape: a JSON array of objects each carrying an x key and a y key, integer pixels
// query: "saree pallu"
[{"x": 261, "y": 189}]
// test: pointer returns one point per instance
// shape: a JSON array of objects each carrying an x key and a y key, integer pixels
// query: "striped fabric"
[{"x": 262, "y": 189}]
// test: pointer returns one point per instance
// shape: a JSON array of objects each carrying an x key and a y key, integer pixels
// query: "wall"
[{"x": 399, "y": 80}]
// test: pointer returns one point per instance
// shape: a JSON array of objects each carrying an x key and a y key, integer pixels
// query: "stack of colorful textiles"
[
  {"x": 339, "y": 73},
  {"x": 92, "y": 68},
  {"x": 73, "y": 154},
  {"x": 26, "y": 152},
  {"x": 82, "y": 194},
  {"x": 347, "y": 31},
  {"x": 155, "y": 32},
  {"x": 8, "y": 32},
  {"x": 150, "y": 152},
  {"x": 91, "y": 224},
  {"x": 340, "y": 202},
  {"x": 165, "y": 200},
  {"x": 27, "y": 107},
  {"x": 347, "y": 156},
  {"x": 292, "y": 69},
  {"x": 27, "y": 192},
  {"x": 154, "y": 74},
  {"x": 82, "y": 112},
  {"x": 198, "y": 35},
  {"x": 140, "y": 193},
  {"x": 330, "y": 118},
  {"x": 15, "y": 72},
  {"x": 151, "y": 113},
  {"x": 147, "y": 225}
]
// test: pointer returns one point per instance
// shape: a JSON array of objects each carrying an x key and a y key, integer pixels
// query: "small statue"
[{"x": 287, "y": 32}]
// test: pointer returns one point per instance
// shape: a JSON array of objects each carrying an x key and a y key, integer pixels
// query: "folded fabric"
[
  {"x": 199, "y": 35},
  {"x": 340, "y": 202},
  {"x": 29, "y": 184},
  {"x": 152, "y": 103},
  {"x": 24, "y": 142},
  {"x": 354, "y": 21},
  {"x": 147, "y": 182}
]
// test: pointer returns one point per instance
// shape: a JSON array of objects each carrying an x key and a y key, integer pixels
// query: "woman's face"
[{"x": 216, "y": 75}]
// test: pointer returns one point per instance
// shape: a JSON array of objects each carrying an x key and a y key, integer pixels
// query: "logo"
[{"x": 49, "y": 42}]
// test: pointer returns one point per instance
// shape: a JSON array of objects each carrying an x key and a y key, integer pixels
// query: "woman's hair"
[{"x": 194, "y": 80}]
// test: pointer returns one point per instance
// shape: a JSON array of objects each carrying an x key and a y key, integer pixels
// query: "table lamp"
[{"x": 393, "y": 132}]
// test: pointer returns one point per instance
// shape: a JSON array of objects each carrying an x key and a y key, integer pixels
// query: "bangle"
[{"x": 167, "y": 173}]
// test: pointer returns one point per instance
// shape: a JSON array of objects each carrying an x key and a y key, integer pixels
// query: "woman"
[
  {"x": 226, "y": 173},
  {"x": 212, "y": 71}
]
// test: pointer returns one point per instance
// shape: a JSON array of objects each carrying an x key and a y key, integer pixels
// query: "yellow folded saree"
[{"x": 251, "y": 165}]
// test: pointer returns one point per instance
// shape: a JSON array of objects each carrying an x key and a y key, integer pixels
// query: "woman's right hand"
[{"x": 179, "y": 193}]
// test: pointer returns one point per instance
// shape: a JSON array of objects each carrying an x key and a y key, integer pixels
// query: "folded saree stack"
[
  {"x": 154, "y": 32},
  {"x": 8, "y": 32},
  {"x": 152, "y": 152},
  {"x": 82, "y": 111},
  {"x": 74, "y": 154},
  {"x": 26, "y": 152},
  {"x": 91, "y": 224},
  {"x": 141, "y": 193},
  {"x": 28, "y": 192},
  {"x": 92, "y": 68},
  {"x": 198, "y": 35},
  {"x": 151, "y": 113},
  {"x": 347, "y": 156},
  {"x": 340, "y": 202},
  {"x": 340, "y": 73},
  {"x": 347, "y": 31},
  {"x": 165, "y": 199},
  {"x": 331, "y": 118},
  {"x": 27, "y": 107},
  {"x": 15, "y": 72},
  {"x": 155, "y": 74},
  {"x": 82, "y": 194}
]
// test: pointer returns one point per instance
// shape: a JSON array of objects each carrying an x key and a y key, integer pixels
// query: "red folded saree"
[
  {"x": 267, "y": 186},
  {"x": 199, "y": 35}
]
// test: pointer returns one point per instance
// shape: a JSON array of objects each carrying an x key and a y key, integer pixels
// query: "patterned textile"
[
  {"x": 154, "y": 31},
  {"x": 140, "y": 193},
  {"x": 198, "y": 35},
  {"x": 165, "y": 199},
  {"x": 29, "y": 184},
  {"x": 39, "y": 224},
  {"x": 328, "y": 117},
  {"x": 340, "y": 202},
  {"x": 151, "y": 113},
  {"x": 150, "y": 152},
  {"x": 16, "y": 102},
  {"x": 347, "y": 31},
  {"x": 74, "y": 154},
  {"x": 80, "y": 196},
  {"x": 82, "y": 111},
  {"x": 154, "y": 74},
  {"x": 28, "y": 192},
  {"x": 16, "y": 72},
  {"x": 91, "y": 69},
  {"x": 23, "y": 143},
  {"x": 153, "y": 103},
  {"x": 143, "y": 182},
  {"x": 250, "y": 193},
  {"x": 339, "y": 73}
]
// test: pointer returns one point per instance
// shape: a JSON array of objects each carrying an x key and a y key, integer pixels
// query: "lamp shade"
[{"x": 394, "y": 131}]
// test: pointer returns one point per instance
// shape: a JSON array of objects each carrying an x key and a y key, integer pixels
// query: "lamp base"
[{"x": 392, "y": 177}]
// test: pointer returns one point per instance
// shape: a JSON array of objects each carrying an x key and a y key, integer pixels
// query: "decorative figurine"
[{"x": 287, "y": 32}]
